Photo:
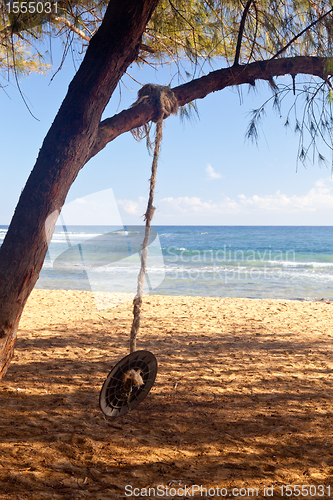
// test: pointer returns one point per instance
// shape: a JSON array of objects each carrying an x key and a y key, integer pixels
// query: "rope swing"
[
  {"x": 131, "y": 379},
  {"x": 165, "y": 104}
]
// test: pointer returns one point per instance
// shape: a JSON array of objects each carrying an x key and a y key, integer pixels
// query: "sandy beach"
[{"x": 243, "y": 400}]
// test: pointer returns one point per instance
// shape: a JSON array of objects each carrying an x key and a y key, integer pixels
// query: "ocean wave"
[
  {"x": 79, "y": 267},
  {"x": 124, "y": 269},
  {"x": 61, "y": 237},
  {"x": 322, "y": 264},
  {"x": 306, "y": 264}
]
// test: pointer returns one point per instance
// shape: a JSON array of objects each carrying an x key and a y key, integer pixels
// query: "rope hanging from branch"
[
  {"x": 126, "y": 387},
  {"x": 165, "y": 104}
]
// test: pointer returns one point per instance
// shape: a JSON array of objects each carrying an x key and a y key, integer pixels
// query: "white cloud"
[
  {"x": 318, "y": 198},
  {"x": 191, "y": 208},
  {"x": 211, "y": 174},
  {"x": 185, "y": 205},
  {"x": 133, "y": 207},
  {"x": 80, "y": 201}
]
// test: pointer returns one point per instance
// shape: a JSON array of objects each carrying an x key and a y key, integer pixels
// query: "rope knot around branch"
[{"x": 161, "y": 97}]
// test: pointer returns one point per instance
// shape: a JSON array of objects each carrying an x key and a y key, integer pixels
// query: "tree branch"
[
  {"x": 143, "y": 112},
  {"x": 241, "y": 31},
  {"x": 66, "y": 22}
]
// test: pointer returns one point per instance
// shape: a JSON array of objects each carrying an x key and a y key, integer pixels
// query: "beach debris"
[{"x": 133, "y": 377}]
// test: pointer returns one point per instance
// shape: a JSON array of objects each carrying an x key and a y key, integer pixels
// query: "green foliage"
[
  {"x": 205, "y": 31},
  {"x": 189, "y": 111},
  {"x": 180, "y": 32},
  {"x": 310, "y": 115},
  {"x": 24, "y": 35},
  {"x": 330, "y": 96},
  {"x": 21, "y": 61}
]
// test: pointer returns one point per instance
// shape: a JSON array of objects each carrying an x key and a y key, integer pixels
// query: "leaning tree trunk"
[{"x": 65, "y": 150}]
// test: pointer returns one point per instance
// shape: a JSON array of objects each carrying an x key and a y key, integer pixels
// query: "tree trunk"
[
  {"x": 64, "y": 152},
  {"x": 77, "y": 134}
]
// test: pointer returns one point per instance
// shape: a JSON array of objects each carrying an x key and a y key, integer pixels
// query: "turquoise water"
[
  {"x": 258, "y": 262},
  {"x": 226, "y": 261}
]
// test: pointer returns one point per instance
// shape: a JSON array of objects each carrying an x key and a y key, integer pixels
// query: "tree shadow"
[{"x": 232, "y": 409}]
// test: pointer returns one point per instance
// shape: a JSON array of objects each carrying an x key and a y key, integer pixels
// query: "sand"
[{"x": 242, "y": 399}]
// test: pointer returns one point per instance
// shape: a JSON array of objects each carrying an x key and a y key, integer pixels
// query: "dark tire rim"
[{"x": 115, "y": 400}]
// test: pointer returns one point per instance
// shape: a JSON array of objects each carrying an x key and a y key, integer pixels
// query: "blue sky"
[{"x": 208, "y": 173}]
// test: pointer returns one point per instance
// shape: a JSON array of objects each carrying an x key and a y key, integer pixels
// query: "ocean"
[{"x": 214, "y": 261}]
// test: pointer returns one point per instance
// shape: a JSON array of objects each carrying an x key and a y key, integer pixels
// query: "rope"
[{"x": 165, "y": 103}]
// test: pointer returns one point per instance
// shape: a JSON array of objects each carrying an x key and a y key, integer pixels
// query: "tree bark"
[{"x": 65, "y": 150}]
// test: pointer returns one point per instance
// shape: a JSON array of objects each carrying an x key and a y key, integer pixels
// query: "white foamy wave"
[
  {"x": 291, "y": 263},
  {"x": 305, "y": 274},
  {"x": 322, "y": 264},
  {"x": 172, "y": 250},
  {"x": 123, "y": 269},
  {"x": 305, "y": 264},
  {"x": 3, "y": 233},
  {"x": 61, "y": 237}
]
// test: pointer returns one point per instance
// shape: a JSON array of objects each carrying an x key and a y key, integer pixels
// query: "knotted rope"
[{"x": 165, "y": 103}]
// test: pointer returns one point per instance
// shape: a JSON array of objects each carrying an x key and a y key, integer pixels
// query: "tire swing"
[{"x": 131, "y": 379}]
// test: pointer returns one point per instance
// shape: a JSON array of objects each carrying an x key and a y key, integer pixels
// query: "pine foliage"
[
  {"x": 185, "y": 31},
  {"x": 194, "y": 36}
]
